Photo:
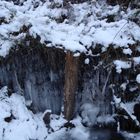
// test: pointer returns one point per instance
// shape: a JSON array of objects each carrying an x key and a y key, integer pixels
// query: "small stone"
[{"x": 46, "y": 118}]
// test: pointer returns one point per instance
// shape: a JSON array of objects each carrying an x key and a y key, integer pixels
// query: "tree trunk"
[{"x": 70, "y": 86}]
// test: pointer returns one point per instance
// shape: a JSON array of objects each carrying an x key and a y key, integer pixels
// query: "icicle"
[{"x": 118, "y": 126}]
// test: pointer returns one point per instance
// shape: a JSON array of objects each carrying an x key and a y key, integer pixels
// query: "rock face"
[
  {"x": 137, "y": 111},
  {"x": 38, "y": 73},
  {"x": 32, "y": 72}
]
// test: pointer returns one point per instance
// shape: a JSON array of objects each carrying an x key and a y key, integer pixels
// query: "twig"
[
  {"x": 104, "y": 87},
  {"x": 119, "y": 31}
]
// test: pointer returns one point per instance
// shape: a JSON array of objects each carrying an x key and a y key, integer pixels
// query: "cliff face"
[{"x": 37, "y": 73}]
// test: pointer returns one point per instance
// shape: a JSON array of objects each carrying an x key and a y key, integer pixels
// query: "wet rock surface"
[
  {"x": 37, "y": 73},
  {"x": 32, "y": 73}
]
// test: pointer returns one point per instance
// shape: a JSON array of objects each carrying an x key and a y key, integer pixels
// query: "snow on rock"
[
  {"x": 23, "y": 124},
  {"x": 131, "y": 136},
  {"x": 138, "y": 78},
  {"x": 127, "y": 51},
  {"x": 109, "y": 34},
  {"x": 136, "y": 60},
  {"x": 79, "y": 130},
  {"x": 57, "y": 122},
  {"x": 128, "y": 107},
  {"x": 89, "y": 113},
  {"x": 105, "y": 119},
  {"x": 4, "y": 105},
  {"x": 59, "y": 135},
  {"x": 117, "y": 100},
  {"x": 85, "y": 25},
  {"x": 135, "y": 30},
  {"x": 18, "y": 123},
  {"x": 122, "y": 65},
  {"x": 87, "y": 61},
  {"x": 123, "y": 86}
]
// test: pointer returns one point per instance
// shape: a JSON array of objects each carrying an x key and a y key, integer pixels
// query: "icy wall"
[
  {"x": 38, "y": 74},
  {"x": 32, "y": 72}
]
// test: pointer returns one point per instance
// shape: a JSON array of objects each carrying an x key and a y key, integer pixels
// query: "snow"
[
  {"x": 128, "y": 107},
  {"x": 58, "y": 135},
  {"x": 57, "y": 122},
  {"x": 105, "y": 119},
  {"x": 131, "y": 136},
  {"x": 136, "y": 60},
  {"x": 127, "y": 51},
  {"x": 118, "y": 126},
  {"x": 112, "y": 34},
  {"x": 117, "y": 100},
  {"x": 87, "y": 61},
  {"x": 86, "y": 25},
  {"x": 123, "y": 86},
  {"x": 135, "y": 31},
  {"x": 25, "y": 125},
  {"x": 138, "y": 78},
  {"x": 122, "y": 65},
  {"x": 89, "y": 113},
  {"x": 76, "y": 54},
  {"x": 79, "y": 131}
]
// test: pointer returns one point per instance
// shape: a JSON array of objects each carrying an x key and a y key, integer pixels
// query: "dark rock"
[
  {"x": 116, "y": 136},
  {"x": 35, "y": 72},
  {"x": 69, "y": 125},
  {"x": 137, "y": 111},
  {"x": 46, "y": 118},
  {"x": 9, "y": 119},
  {"x": 9, "y": 92}
]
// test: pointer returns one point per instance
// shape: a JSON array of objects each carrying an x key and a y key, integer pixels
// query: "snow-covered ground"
[
  {"x": 85, "y": 25},
  {"x": 77, "y": 27},
  {"x": 19, "y": 123},
  {"x": 131, "y": 136},
  {"x": 23, "y": 124}
]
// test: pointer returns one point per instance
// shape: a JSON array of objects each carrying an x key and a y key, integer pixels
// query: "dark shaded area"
[
  {"x": 137, "y": 111},
  {"x": 46, "y": 119},
  {"x": 9, "y": 119},
  {"x": 105, "y": 134},
  {"x": 120, "y": 2}
]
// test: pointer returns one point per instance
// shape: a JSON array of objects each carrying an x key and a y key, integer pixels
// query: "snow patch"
[
  {"x": 122, "y": 65},
  {"x": 138, "y": 78}
]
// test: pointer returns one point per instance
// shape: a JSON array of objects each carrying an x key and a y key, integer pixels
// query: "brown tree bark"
[{"x": 70, "y": 86}]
